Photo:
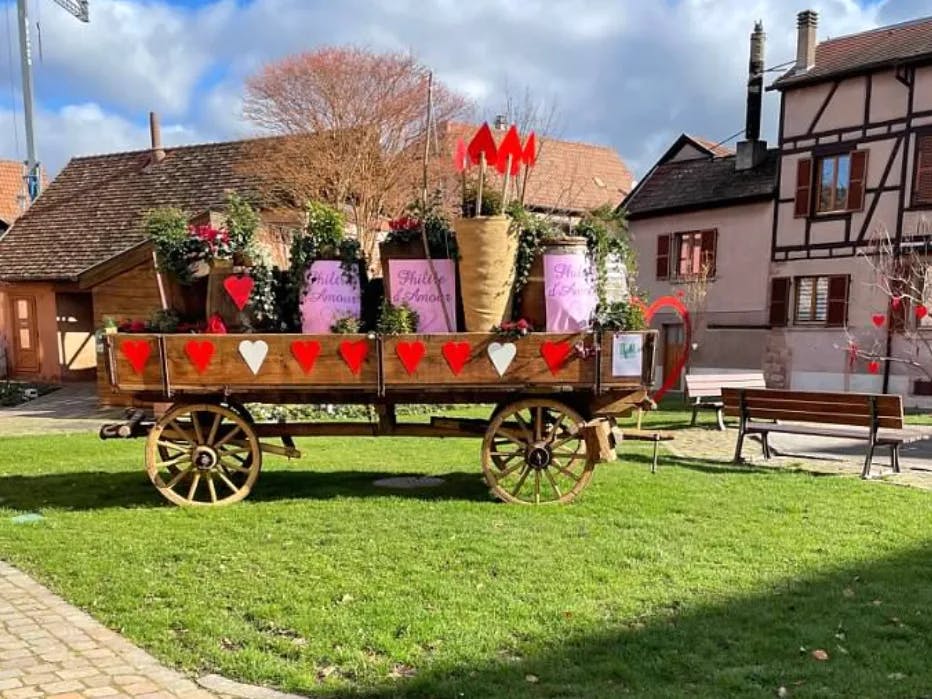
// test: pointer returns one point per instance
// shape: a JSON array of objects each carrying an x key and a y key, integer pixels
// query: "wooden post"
[{"x": 481, "y": 182}]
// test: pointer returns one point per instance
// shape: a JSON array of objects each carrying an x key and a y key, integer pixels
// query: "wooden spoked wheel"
[
  {"x": 534, "y": 453},
  {"x": 203, "y": 455}
]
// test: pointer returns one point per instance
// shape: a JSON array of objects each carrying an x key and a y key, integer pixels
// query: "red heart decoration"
[
  {"x": 306, "y": 352},
  {"x": 354, "y": 354},
  {"x": 670, "y": 302},
  {"x": 460, "y": 156},
  {"x": 510, "y": 146},
  {"x": 921, "y": 312},
  {"x": 239, "y": 288},
  {"x": 555, "y": 354},
  {"x": 482, "y": 143},
  {"x": 456, "y": 354},
  {"x": 200, "y": 353},
  {"x": 410, "y": 354},
  {"x": 873, "y": 366},
  {"x": 137, "y": 353},
  {"x": 896, "y": 301},
  {"x": 529, "y": 154},
  {"x": 878, "y": 319}
]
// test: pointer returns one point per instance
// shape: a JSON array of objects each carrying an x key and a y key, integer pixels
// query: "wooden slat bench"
[
  {"x": 875, "y": 419},
  {"x": 704, "y": 391}
]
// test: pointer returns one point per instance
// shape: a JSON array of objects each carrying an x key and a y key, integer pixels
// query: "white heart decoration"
[
  {"x": 502, "y": 355},
  {"x": 254, "y": 353}
]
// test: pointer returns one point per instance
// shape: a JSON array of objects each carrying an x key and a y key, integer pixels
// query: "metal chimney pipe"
[
  {"x": 755, "y": 83},
  {"x": 806, "y": 23},
  {"x": 155, "y": 132}
]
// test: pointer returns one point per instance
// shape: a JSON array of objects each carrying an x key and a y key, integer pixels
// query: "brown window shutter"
[
  {"x": 857, "y": 180},
  {"x": 779, "y": 302},
  {"x": 922, "y": 188},
  {"x": 708, "y": 250},
  {"x": 803, "y": 187},
  {"x": 837, "y": 315},
  {"x": 663, "y": 256}
]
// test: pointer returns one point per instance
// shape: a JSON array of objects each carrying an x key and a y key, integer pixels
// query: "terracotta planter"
[
  {"x": 488, "y": 246},
  {"x": 532, "y": 300}
]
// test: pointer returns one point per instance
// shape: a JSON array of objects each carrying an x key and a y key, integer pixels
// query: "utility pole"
[{"x": 78, "y": 8}]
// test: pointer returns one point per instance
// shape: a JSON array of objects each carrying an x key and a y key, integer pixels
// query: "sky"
[{"x": 631, "y": 74}]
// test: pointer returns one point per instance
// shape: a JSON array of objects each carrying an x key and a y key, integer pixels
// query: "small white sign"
[{"x": 627, "y": 354}]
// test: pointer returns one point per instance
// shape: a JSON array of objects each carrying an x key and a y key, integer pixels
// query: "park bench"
[
  {"x": 875, "y": 419},
  {"x": 704, "y": 391}
]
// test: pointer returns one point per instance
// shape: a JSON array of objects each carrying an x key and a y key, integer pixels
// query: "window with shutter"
[
  {"x": 779, "y": 301},
  {"x": 709, "y": 239},
  {"x": 821, "y": 301},
  {"x": 803, "y": 187},
  {"x": 837, "y": 314},
  {"x": 922, "y": 187},
  {"x": 858, "y": 178},
  {"x": 663, "y": 257}
]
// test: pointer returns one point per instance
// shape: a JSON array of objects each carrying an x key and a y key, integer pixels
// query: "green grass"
[{"x": 696, "y": 581}]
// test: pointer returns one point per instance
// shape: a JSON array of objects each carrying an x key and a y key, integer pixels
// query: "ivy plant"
[
  {"x": 397, "y": 320},
  {"x": 605, "y": 231}
]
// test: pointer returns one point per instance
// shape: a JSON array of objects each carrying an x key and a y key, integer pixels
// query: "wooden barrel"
[{"x": 532, "y": 305}]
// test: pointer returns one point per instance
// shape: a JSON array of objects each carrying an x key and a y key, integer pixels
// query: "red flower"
[
  {"x": 522, "y": 324},
  {"x": 215, "y": 325}
]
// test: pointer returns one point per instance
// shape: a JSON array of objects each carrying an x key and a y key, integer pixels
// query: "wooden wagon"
[{"x": 554, "y": 396}]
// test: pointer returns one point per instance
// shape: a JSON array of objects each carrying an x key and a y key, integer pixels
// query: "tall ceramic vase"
[{"x": 488, "y": 246}]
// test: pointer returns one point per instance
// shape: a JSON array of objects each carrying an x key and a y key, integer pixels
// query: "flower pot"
[
  {"x": 398, "y": 250},
  {"x": 532, "y": 303},
  {"x": 189, "y": 300},
  {"x": 488, "y": 246}
]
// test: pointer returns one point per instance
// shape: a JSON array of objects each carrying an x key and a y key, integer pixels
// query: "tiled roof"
[
  {"x": 855, "y": 53},
  {"x": 94, "y": 209},
  {"x": 703, "y": 182},
  {"x": 11, "y": 187},
  {"x": 713, "y": 147},
  {"x": 569, "y": 176}
]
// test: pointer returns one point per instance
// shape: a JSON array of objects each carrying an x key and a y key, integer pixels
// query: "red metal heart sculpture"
[
  {"x": 239, "y": 289},
  {"x": 482, "y": 144},
  {"x": 410, "y": 354},
  {"x": 555, "y": 354},
  {"x": 649, "y": 311},
  {"x": 200, "y": 353},
  {"x": 456, "y": 354},
  {"x": 306, "y": 353},
  {"x": 137, "y": 353},
  {"x": 354, "y": 354},
  {"x": 509, "y": 153}
]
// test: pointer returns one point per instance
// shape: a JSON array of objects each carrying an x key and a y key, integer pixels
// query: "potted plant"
[{"x": 485, "y": 237}]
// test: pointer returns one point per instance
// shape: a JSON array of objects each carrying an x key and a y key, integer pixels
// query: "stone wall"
[{"x": 777, "y": 360}]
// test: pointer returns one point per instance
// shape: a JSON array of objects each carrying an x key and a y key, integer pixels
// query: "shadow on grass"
[
  {"x": 695, "y": 464},
  {"x": 99, "y": 490},
  {"x": 871, "y": 619}
]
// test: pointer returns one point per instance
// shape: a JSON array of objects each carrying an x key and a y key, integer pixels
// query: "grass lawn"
[{"x": 706, "y": 581}]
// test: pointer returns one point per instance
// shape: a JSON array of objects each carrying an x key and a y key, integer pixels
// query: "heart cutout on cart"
[
  {"x": 254, "y": 353},
  {"x": 354, "y": 354},
  {"x": 502, "y": 355},
  {"x": 456, "y": 354},
  {"x": 555, "y": 354},
  {"x": 239, "y": 288},
  {"x": 306, "y": 353},
  {"x": 137, "y": 353},
  {"x": 410, "y": 354},
  {"x": 664, "y": 302},
  {"x": 200, "y": 352}
]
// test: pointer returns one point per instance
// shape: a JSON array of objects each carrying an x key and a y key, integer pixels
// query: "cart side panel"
[
  {"x": 124, "y": 376},
  {"x": 527, "y": 367},
  {"x": 325, "y": 365},
  {"x": 609, "y": 379}
]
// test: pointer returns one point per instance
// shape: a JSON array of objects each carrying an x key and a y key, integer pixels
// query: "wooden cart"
[{"x": 554, "y": 395}]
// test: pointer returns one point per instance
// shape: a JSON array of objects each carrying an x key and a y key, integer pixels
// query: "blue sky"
[{"x": 632, "y": 74}]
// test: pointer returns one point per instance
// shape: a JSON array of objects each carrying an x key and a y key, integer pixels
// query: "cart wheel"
[
  {"x": 534, "y": 453},
  {"x": 213, "y": 455}
]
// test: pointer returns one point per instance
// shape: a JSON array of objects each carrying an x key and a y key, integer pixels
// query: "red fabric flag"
[
  {"x": 482, "y": 142},
  {"x": 460, "y": 156},
  {"x": 529, "y": 155},
  {"x": 510, "y": 146}
]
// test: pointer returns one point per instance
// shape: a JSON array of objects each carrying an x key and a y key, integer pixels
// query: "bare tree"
[
  {"x": 693, "y": 292},
  {"x": 352, "y": 121}
]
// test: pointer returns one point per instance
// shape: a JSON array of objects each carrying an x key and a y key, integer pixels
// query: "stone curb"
[{"x": 221, "y": 685}]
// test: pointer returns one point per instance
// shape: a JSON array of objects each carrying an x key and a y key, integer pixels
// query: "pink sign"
[
  {"x": 569, "y": 292},
  {"x": 330, "y": 296},
  {"x": 413, "y": 283}
]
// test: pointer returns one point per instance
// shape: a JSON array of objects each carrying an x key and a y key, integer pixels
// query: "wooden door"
[
  {"x": 25, "y": 334},
  {"x": 674, "y": 347}
]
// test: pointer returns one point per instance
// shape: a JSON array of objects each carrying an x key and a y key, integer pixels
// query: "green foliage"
[
  {"x": 242, "y": 223},
  {"x": 347, "y": 325},
  {"x": 265, "y": 313},
  {"x": 397, "y": 320},
  {"x": 620, "y": 315},
  {"x": 164, "y": 321},
  {"x": 175, "y": 249},
  {"x": 322, "y": 239},
  {"x": 441, "y": 243},
  {"x": 606, "y": 234},
  {"x": 532, "y": 232},
  {"x": 491, "y": 200}
]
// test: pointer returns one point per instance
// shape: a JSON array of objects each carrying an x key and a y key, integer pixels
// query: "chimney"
[
  {"x": 752, "y": 151},
  {"x": 806, "y": 23},
  {"x": 155, "y": 131},
  {"x": 501, "y": 122}
]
